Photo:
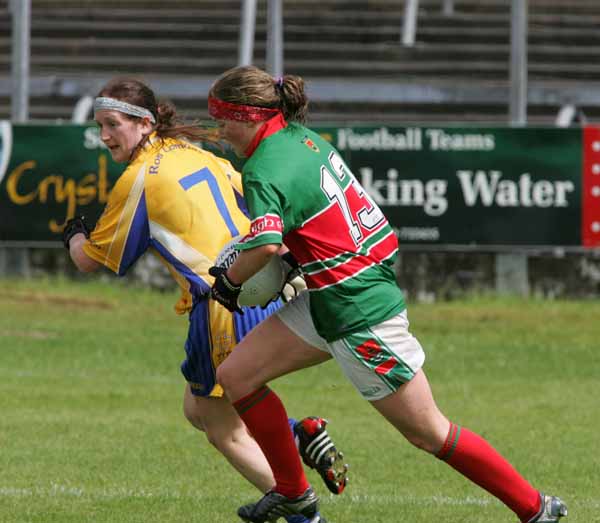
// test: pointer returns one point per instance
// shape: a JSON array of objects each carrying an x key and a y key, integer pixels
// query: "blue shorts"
[{"x": 212, "y": 335}]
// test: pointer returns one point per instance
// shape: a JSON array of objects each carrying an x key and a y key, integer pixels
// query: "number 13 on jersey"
[{"x": 361, "y": 214}]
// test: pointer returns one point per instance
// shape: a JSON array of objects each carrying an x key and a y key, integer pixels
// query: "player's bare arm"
[
  {"x": 81, "y": 260},
  {"x": 250, "y": 261}
]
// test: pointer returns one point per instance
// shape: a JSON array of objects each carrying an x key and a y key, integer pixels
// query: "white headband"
[{"x": 103, "y": 103}]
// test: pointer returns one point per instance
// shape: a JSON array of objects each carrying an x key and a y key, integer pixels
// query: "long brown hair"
[
  {"x": 249, "y": 85},
  {"x": 168, "y": 123}
]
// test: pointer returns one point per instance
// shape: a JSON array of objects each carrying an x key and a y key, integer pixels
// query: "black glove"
[
  {"x": 288, "y": 258},
  {"x": 224, "y": 290},
  {"x": 74, "y": 226}
]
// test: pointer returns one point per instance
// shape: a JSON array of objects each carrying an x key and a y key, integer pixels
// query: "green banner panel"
[
  {"x": 469, "y": 186},
  {"x": 49, "y": 174}
]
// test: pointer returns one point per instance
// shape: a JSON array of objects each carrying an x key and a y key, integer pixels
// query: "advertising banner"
[
  {"x": 453, "y": 186},
  {"x": 48, "y": 174},
  {"x": 472, "y": 186}
]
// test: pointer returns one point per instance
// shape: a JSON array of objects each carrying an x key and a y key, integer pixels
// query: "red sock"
[
  {"x": 266, "y": 419},
  {"x": 476, "y": 459}
]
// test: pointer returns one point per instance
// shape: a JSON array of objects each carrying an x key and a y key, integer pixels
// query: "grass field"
[{"x": 91, "y": 428}]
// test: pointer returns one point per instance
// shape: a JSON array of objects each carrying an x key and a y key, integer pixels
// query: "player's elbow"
[
  {"x": 270, "y": 249},
  {"x": 81, "y": 260},
  {"x": 86, "y": 265}
]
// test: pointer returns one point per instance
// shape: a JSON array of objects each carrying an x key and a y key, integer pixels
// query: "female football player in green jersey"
[
  {"x": 183, "y": 204},
  {"x": 300, "y": 191}
]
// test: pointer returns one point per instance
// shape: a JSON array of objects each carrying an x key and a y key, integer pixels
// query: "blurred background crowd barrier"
[{"x": 471, "y": 122}]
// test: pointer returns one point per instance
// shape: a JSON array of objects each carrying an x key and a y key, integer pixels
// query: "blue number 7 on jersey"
[{"x": 204, "y": 175}]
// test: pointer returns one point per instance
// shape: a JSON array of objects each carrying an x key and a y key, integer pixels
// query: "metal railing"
[
  {"x": 16, "y": 261},
  {"x": 274, "y": 56},
  {"x": 411, "y": 15},
  {"x": 20, "y": 59},
  {"x": 518, "y": 63},
  {"x": 247, "y": 26},
  {"x": 517, "y": 109},
  {"x": 21, "y": 11}
]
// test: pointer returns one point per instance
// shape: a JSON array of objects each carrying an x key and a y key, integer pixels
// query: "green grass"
[{"x": 91, "y": 428}]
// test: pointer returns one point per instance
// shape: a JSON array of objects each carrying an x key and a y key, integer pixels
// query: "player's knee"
[
  {"x": 192, "y": 416},
  {"x": 226, "y": 377}
]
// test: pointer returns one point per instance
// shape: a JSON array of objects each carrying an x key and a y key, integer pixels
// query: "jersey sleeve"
[
  {"x": 265, "y": 205},
  {"x": 121, "y": 234},
  {"x": 235, "y": 178}
]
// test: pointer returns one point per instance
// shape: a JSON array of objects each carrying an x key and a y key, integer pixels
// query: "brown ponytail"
[{"x": 249, "y": 85}]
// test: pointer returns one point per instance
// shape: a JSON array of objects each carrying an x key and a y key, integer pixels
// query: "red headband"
[{"x": 221, "y": 110}]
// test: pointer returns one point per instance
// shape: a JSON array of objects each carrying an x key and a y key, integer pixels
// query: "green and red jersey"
[{"x": 300, "y": 192}]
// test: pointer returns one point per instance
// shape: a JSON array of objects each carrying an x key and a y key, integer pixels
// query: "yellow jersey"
[{"x": 179, "y": 201}]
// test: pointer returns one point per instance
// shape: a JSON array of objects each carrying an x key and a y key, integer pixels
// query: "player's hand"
[
  {"x": 291, "y": 288},
  {"x": 74, "y": 226},
  {"x": 224, "y": 290},
  {"x": 294, "y": 281}
]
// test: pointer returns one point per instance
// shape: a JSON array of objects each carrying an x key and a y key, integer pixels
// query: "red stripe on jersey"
[
  {"x": 264, "y": 224},
  {"x": 379, "y": 252},
  {"x": 328, "y": 233},
  {"x": 324, "y": 236}
]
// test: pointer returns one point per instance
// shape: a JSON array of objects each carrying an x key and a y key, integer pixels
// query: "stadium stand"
[
  {"x": 348, "y": 50},
  {"x": 350, "y": 53}
]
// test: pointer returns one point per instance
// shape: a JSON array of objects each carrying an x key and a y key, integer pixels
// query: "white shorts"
[{"x": 377, "y": 360}]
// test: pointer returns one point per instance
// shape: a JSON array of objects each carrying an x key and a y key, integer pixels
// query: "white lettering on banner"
[
  {"x": 411, "y": 139},
  {"x": 5, "y": 146},
  {"x": 380, "y": 140},
  {"x": 418, "y": 233},
  {"x": 406, "y": 193},
  {"x": 488, "y": 188},
  {"x": 440, "y": 140}
]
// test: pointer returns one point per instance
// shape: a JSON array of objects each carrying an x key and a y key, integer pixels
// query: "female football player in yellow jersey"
[{"x": 183, "y": 204}]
